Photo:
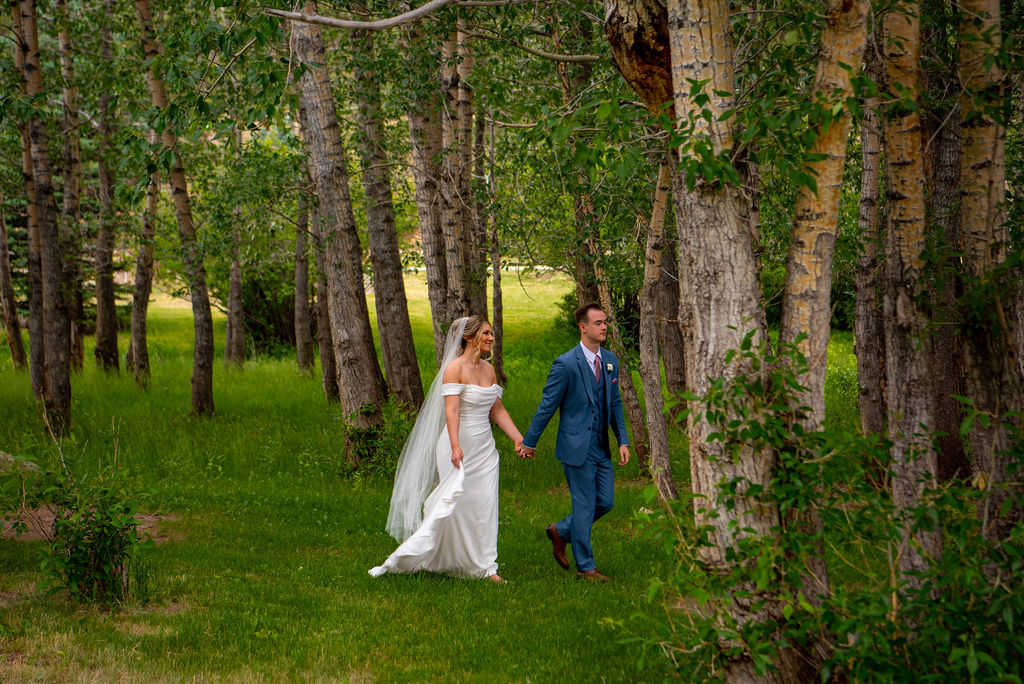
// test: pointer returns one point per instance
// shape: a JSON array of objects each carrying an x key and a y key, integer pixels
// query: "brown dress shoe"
[
  {"x": 593, "y": 576},
  {"x": 557, "y": 546}
]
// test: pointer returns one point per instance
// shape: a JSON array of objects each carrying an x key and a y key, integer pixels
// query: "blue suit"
[{"x": 587, "y": 408}]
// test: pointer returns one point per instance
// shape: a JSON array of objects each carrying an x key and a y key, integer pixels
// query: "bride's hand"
[{"x": 457, "y": 457}]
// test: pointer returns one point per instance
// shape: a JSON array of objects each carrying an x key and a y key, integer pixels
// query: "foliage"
[
  {"x": 373, "y": 451},
  {"x": 961, "y": 624},
  {"x": 92, "y": 550},
  {"x": 263, "y": 572},
  {"x": 93, "y": 553}
]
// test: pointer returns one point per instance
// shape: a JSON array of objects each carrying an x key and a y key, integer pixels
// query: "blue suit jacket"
[{"x": 570, "y": 389}]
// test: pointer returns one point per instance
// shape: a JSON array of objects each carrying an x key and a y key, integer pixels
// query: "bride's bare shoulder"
[{"x": 453, "y": 372}]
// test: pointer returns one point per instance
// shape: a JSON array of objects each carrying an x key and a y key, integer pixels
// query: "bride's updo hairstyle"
[{"x": 473, "y": 325}]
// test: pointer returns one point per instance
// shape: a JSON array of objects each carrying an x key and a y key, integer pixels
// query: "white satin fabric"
[{"x": 459, "y": 532}]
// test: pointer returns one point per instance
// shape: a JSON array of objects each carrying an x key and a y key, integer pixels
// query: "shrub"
[
  {"x": 374, "y": 451},
  {"x": 961, "y": 622},
  {"x": 93, "y": 553}
]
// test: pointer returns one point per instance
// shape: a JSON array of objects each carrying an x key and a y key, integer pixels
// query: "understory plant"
[
  {"x": 94, "y": 549},
  {"x": 373, "y": 451},
  {"x": 959, "y": 619}
]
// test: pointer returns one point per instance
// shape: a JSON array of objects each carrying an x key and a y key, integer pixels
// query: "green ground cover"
[{"x": 261, "y": 573}]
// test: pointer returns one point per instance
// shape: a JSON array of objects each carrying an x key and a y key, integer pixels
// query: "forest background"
[{"x": 730, "y": 181}]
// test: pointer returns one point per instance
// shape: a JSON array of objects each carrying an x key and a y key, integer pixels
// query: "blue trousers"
[{"x": 592, "y": 488}]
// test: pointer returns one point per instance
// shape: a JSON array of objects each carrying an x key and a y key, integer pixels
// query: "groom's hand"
[
  {"x": 623, "y": 454},
  {"x": 524, "y": 451}
]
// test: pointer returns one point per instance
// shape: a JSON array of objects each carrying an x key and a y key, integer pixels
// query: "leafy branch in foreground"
[{"x": 957, "y": 620}]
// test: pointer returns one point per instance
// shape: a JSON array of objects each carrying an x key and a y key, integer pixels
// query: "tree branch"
[
  {"x": 378, "y": 25},
  {"x": 576, "y": 59}
]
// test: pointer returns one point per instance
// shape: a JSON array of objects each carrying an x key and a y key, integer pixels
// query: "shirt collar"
[{"x": 590, "y": 356}]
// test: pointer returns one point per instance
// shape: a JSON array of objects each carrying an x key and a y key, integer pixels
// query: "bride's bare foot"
[{"x": 496, "y": 579}]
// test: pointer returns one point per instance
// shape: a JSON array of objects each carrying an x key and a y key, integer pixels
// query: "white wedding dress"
[{"x": 459, "y": 532}]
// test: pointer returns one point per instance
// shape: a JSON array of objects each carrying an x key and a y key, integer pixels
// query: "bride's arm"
[
  {"x": 451, "y": 417},
  {"x": 501, "y": 418},
  {"x": 452, "y": 403}
]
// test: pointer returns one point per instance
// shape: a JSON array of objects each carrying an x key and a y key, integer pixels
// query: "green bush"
[
  {"x": 374, "y": 451},
  {"x": 93, "y": 553},
  {"x": 960, "y": 619}
]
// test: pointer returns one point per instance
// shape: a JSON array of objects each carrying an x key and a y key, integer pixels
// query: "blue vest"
[{"x": 600, "y": 415}]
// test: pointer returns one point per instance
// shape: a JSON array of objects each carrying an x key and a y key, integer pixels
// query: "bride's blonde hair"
[{"x": 473, "y": 325}]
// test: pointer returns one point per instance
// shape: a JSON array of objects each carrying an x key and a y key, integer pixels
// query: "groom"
[{"x": 584, "y": 386}]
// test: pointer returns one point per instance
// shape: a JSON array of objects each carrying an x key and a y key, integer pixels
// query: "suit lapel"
[
  {"x": 588, "y": 382},
  {"x": 607, "y": 389}
]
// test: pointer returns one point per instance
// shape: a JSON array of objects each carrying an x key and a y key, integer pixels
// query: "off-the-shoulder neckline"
[{"x": 469, "y": 384}]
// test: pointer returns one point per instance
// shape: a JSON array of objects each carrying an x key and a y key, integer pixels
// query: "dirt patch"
[
  {"x": 39, "y": 525},
  {"x": 10, "y": 598}
]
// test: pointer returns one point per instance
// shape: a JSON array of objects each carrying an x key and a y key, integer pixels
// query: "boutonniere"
[{"x": 609, "y": 367}]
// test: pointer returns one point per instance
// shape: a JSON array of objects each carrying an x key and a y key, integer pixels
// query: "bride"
[{"x": 451, "y": 446}]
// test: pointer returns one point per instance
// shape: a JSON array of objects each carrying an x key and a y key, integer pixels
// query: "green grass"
[{"x": 264, "y": 573}]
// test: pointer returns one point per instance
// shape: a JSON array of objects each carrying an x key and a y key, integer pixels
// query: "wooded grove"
[{"x": 731, "y": 181}]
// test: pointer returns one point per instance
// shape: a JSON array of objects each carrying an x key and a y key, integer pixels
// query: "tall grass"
[{"x": 263, "y": 571}]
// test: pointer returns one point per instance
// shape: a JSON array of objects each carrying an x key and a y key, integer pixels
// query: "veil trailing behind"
[{"x": 416, "y": 474}]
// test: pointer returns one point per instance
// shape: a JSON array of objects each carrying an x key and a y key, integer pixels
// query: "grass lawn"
[{"x": 261, "y": 573}]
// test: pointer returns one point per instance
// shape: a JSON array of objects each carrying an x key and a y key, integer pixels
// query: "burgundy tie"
[{"x": 597, "y": 369}]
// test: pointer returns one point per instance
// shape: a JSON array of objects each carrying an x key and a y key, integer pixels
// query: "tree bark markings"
[
  {"x": 907, "y": 346},
  {"x": 398, "y": 350},
  {"x": 360, "y": 380},
  {"x": 202, "y": 364},
  {"x": 993, "y": 377},
  {"x": 304, "y": 355},
  {"x": 106, "y": 312},
  {"x": 143, "y": 287},
  {"x": 55, "y": 325}
]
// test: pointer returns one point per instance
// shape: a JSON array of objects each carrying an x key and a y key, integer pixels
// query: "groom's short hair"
[{"x": 583, "y": 312}]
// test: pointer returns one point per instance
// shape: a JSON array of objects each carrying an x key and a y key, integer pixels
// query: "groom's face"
[{"x": 595, "y": 328}]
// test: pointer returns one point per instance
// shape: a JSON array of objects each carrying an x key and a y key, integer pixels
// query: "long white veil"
[{"x": 416, "y": 474}]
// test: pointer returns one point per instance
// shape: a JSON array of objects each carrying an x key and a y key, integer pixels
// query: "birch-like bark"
[
  {"x": 425, "y": 137},
  {"x": 993, "y": 377},
  {"x": 12, "y": 326},
  {"x": 670, "y": 334},
  {"x": 806, "y": 299},
  {"x": 143, "y": 287},
  {"x": 56, "y": 330},
  {"x": 401, "y": 368},
  {"x": 474, "y": 259},
  {"x": 453, "y": 204},
  {"x": 359, "y": 376},
  {"x": 36, "y": 339},
  {"x": 650, "y": 370},
  {"x": 480, "y": 235},
  {"x": 869, "y": 338},
  {"x": 202, "y": 361},
  {"x": 304, "y": 354},
  {"x": 71, "y": 190},
  {"x": 718, "y": 280},
  {"x": 907, "y": 344},
  {"x": 328, "y": 367},
  {"x": 106, "y": 352},
  {"x": 940, "y": 127}
]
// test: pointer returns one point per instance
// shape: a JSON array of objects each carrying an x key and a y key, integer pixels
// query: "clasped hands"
[{"x": 524, "y": 451}]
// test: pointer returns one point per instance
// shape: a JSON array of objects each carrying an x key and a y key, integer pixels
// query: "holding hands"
[{"x": 524, "y": 451}]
